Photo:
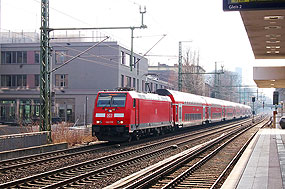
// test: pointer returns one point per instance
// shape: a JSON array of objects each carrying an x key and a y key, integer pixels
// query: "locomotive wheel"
[{"x": 134, "y": 137}]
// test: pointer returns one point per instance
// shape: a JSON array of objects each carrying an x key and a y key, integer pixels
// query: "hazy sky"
[{"x": 219, "y": 36}]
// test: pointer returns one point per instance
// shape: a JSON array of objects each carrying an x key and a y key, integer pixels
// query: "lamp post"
[
  {"x": 253, "y": 112},
  {"x": 282, "y": 103}
]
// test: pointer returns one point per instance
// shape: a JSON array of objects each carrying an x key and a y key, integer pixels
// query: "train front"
[{"x": 110, "y": 117}]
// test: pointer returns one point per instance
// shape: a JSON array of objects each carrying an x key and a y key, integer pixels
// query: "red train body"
[{"x": 121, "y": 115}]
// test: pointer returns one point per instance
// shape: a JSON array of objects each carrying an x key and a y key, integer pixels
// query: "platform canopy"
[
  {"x": 269, "y": 77},
  {"x": 266, "y": 33}
]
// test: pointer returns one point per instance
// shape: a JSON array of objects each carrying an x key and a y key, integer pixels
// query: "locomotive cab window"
[{"x": 111, "y": 100}]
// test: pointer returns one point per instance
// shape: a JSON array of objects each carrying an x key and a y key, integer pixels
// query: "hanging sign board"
[{"x": 242, "y": 5}]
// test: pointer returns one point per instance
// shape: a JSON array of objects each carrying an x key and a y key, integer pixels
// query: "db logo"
[{"x": 109, "y": 115}]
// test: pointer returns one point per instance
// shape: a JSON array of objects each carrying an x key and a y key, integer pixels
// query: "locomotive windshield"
[{"x": 111, "y": 100}]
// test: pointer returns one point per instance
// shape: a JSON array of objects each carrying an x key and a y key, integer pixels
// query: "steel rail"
[
  {"x": 157, "y": 173},
  {"x": 235, "y": 159},
  {"x": 46, "y": 157},
  {"x": 179, "y": 178},
  {"x": 84, "y": 164},
  {"x": 49, "y": 156}
]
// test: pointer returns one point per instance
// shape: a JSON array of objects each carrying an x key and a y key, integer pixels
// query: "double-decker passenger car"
[{"x": 122, "y": 115}]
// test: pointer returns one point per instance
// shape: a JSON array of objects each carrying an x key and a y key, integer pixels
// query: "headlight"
[
  {"x": 120, "y": 122},
  {"x": 98, "y": 122}
]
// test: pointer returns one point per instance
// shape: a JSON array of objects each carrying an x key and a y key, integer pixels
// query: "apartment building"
[{"x": 74, "y": 86}]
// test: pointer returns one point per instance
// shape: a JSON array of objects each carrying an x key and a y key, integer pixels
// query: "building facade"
[{"x": 74, "y": 86}]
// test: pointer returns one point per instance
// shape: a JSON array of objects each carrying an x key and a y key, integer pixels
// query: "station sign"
[{"x": 243, "y": 5}]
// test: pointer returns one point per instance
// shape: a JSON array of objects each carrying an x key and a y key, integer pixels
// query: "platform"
[{"x": 262, "y": 165}]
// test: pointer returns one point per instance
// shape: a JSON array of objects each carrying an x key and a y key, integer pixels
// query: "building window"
[
  {"x": 61, "y": 80},
  {"x": 8, "y": 58},
  {"x": 129, "y": 81},
  {"x": 123, "y": 60},
  {"x": 14, "y": 57},
  {"x": 134, "y": 61},
  {"x": 3, "y": 57},
  {"x": 13, "y": 80},
  {"x": 156, "y": 87},
  {"x": 37, "y": 57},
  {"x": 128, "y": 59},
  {"x": 122, "y": 81},
  {"x": 60, "y": 57},
  {"x": 134, "y": 83},
  {"x": 19, "y": 57},
  {"x": 138, "y": 66},
  {"x": 143, "y": 86},
  {"x": 37, "y": 80},
  {"x": 138, "y": 85}
]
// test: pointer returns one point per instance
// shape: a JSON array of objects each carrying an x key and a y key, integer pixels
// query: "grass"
[{"x": 62, "y": 133}]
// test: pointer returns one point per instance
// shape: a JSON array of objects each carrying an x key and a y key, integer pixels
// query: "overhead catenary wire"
[
  {"x": 68, "y": 61},
  {"x": 116, "y": 49},
  {"x": 92, "y": 55},
  {"x": 66, "y": 14}
]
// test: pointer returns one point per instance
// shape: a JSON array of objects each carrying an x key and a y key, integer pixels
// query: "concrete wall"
[
  {"x": 23, "y": 140},
  {"x": 32, "y": 150}
]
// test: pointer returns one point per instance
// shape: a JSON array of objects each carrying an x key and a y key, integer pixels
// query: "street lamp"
[{"x": 253, "y": 112}]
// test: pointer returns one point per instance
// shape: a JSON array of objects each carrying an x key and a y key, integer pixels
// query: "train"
[{"x": 130, "y": 115}]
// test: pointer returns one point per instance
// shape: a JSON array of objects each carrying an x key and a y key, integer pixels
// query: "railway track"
[
  {"x": 45, "y": 158},
  {"x": 203, "y": 167},
  {"x": 22, "y": 162},
  {"x": 95, "y": 170}
]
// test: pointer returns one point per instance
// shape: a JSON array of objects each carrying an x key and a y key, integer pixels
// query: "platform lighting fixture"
[
  {"x": 273, "y": 35},
  {"x": 273, "y": 47},
  {"x": 277, "y": 41},
  {"x": 273, "y": 17},
  {"x": 272, "y": 27}
]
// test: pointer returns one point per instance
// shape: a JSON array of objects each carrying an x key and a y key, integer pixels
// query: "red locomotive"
[{"x": 122, "y": 115}]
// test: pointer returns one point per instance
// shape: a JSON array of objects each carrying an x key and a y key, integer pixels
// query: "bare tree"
[
  {"x": 226, "y": 86},
  {"x": 193, "y": 82}
]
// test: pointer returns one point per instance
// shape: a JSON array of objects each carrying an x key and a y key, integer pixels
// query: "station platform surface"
[{"x": 262, "y": 165}]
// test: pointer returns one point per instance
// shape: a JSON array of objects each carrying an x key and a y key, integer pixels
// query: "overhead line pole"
[
  {"x": 45, "y": 102},
  {"x": 45, "y": 73},
  {"x": 180, "y": 67}
]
